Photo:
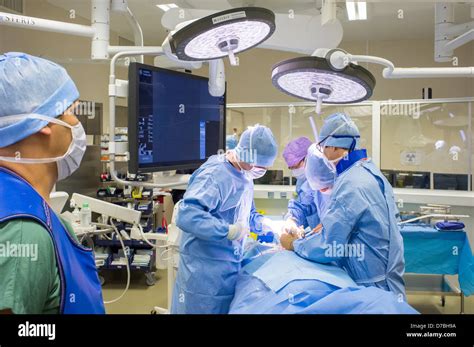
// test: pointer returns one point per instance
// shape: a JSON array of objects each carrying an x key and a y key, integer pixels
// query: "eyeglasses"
[{"x": 320, "y": 145}]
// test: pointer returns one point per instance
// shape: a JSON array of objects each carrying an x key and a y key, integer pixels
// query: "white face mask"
[
  {"x": 331, "y": 164},
  {"x": 252, "y": 174},
  {"x": 68, "y": 163},
  {"x": 255, "y": 173},
  {"x": 298, "y": 173}
]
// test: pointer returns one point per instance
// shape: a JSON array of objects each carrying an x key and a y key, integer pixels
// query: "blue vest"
[{"x": 81, "y": 292}]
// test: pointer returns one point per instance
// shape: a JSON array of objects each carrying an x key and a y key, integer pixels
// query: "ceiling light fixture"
[
  {"x": 314, "y": 79},
  {"x": 166, "y": 7},
  {"x": 356, "y": 13},
  {"x": 362, "y": 10},
  {"x": 226, "y": 33}
]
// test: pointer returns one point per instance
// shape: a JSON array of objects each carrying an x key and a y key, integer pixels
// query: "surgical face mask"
[
  {"x": 298, "y": 173},
  {"x": 331, "y": 164},
  {"x": 252, "y": 174},
  {"x": 255, "y": 173},
  {"x": 68, "y": 163},
  {"x": 71, "y": 161}
]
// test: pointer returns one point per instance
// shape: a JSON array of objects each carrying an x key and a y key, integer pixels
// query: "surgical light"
[
  {"x": 226, "y": 33},
  {"x": 314, "y": 79}
]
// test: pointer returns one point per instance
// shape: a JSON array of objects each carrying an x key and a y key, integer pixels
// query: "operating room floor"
[{"x": 140, "y": 298}]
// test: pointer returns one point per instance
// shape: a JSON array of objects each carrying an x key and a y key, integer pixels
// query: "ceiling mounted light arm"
[
  {"x": 47, "y": 25},
  {"x": 136, "y": 29},
  {"x": 449, "y": 36},
  {"x": 121, "y": 7},
  {"x": 338, "y": 59}
]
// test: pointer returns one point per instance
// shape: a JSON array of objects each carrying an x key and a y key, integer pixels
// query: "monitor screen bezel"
[{"x": 133, "y": 111}]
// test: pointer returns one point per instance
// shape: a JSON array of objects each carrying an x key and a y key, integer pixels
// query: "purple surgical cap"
[{"x": 296, "y": 150}]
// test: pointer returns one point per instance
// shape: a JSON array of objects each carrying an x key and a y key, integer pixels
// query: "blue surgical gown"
[
  {"x": 308, "y": 205},
  {"x": 360, "y": 231},
  {"x": 218, "y": 195}
]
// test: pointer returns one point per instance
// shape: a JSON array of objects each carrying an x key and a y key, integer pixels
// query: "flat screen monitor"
[
  {"x": 412, "y": 179},
  {"x": 174, "y": 123},
  {"x": 450, "y": 181}
]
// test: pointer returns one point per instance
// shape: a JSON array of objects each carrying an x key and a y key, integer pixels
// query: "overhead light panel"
[
  {"x": 356, "y": 10},
  {"x": 226, "y": 33},
  {"x": 362, "y": 10},
  {"x": 351, "y": 10},
  {"x": 167, "y": 7}
]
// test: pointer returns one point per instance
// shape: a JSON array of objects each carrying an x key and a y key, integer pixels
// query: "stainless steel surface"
[
  {"x": 419, "y": 284},
  {"x": 430, "y": 284}
]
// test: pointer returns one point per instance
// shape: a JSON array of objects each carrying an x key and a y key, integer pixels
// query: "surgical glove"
[
  {"x": 237, "y": 231},
  {"x": 267, "y": 226},
  {"x": 290, "y": 227}
]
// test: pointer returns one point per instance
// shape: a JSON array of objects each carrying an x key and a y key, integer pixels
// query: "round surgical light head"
[
  {"x": 223, "y": 34},
  {"x": 313, "y": 79}
]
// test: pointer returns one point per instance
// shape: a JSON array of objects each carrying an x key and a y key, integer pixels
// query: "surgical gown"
[
  {"x": 218, "y": 195},
  {"x": 309, "y": 205},
  {"x": 360, "y": 230}
]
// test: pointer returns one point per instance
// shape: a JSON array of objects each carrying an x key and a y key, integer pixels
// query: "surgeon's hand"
[
  {"x": 318, "y": 228},
  {"x": 291, "y": 228},
  {"x": 286, "y": 241},
  {"x": 237, "y": 231}
]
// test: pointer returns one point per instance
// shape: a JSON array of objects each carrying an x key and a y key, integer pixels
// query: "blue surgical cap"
[
  {"x": 31, "y": 85},
  {"x": 318, "y": 174},
  {"x": 257, "y": 146},
  {"x": 231, "y": 141},
  {"x": 342, "y": 131}
]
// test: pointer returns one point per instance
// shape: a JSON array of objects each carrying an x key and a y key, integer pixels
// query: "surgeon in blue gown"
[
  {"x": 307, "y": 210},
  {"x": 359, "y": 229},
  {"x": 215, "y": 216},
  {"x": 300, "y": 207},
  {"x": 321, "y": 180}
]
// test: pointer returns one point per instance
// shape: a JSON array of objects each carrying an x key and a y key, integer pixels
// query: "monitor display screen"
[{"x": 174, "y": 123}]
